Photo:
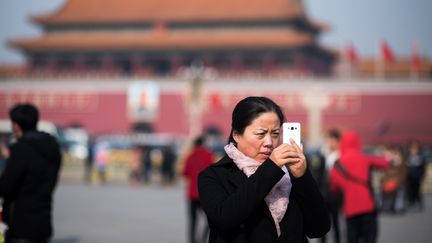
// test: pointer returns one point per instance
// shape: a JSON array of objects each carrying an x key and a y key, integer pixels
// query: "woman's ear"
[{"x": 236, "y": 136}]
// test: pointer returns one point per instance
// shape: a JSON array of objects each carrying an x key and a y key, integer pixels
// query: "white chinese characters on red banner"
[
  {"x": 218, "y": 101},
  {"x": 344, "y": 104},
  {"x": 51, "y": 101},
  {"x": 339, "y": 103}
]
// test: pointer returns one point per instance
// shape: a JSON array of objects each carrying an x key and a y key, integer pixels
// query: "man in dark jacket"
[{"x": 29, "y": 179}]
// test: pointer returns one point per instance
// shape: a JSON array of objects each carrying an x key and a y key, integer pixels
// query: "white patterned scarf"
[{"x": 278, "y": 198}]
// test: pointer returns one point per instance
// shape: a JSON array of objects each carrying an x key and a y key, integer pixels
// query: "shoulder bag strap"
[{"x": 339, "y": 167}]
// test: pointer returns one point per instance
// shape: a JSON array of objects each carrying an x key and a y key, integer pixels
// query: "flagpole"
[
  {"x": 349, "y": 65},
  {"x": 379, "y": 65},
  {"x": 350, "y": 59},
  {"x": 346, "y": 69},
  {"x": 415, "y": 62},
  {"x": 414, "y": 75},
  {"x": 386, "y": 57}
]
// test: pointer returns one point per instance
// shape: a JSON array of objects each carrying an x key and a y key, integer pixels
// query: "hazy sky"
[{"x": 364, "y": 23}]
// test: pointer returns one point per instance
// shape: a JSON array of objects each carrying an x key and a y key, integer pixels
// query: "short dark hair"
[
  {"x": 199, "y": 141},
  {"x": 25, "y": 115},
  {"x": 334, "y": 133},
  {"x": 250, "y": 108}
]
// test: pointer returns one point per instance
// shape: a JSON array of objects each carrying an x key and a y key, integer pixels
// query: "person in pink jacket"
[{"x": 351, "y": 176}]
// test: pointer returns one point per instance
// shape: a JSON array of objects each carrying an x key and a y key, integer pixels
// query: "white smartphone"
[{"x": 291, "y": 130}]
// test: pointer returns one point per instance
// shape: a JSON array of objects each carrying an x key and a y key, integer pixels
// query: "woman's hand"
[{"x": 292, "y": 156}]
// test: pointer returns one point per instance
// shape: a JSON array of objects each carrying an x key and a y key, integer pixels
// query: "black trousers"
[
  {"x": 414, "y": 192},
  {"x": 362, "y": 228},
  {"x": 333, "y": 208},
  {"x": 194, "y": 235}
]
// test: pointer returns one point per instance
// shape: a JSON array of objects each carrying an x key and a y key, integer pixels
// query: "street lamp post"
[{"x": 196, "y": 78}]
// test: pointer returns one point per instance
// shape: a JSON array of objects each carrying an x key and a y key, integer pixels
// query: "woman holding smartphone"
[{"x": 261, "y": 190}]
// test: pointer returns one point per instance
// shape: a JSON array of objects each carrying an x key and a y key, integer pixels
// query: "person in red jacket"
[
  {"x": 198, "y": 159},
  {"x": 350, "y": 175}
]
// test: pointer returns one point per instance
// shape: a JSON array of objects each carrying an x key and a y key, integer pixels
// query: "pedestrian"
[
  {"x": 197, "y": 160},
  {"x": 29, "y": 179},
  {"x": 261, "y": 190},
  {"x": 351, "y": 176},
  {"x": 135, "y": 166},
  {"x": 168, "y": 164},
  {"x": 88, "y": 162},
  {"x": 146, "y": 164},
  {"x": 102, "y": 157},
  {"x": 392, "y": 183},
  {"x": 333, "y": 200},
  {"x": 416, "y": 164}
]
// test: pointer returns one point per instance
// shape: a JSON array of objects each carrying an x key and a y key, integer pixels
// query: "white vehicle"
[
  {"x": 46, "y": 126},
  {"x": 76, "y": 139}
]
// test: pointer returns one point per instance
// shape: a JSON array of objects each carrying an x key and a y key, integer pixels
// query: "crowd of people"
[
  {"x": 259, "y": 190},
  {"x": 361, "y": 184},
  {"x": 141, "y": 162}
]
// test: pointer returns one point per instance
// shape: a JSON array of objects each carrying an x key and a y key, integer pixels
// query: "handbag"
[{"x": 390, "y": 185}]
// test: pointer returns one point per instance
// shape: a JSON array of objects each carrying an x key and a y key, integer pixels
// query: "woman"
[
  {"x": 392, "y": 181},
  {"x": 351, "y": 176},
  {"x": 261, "y": 190},
  {"x": 416, "y": 164}
]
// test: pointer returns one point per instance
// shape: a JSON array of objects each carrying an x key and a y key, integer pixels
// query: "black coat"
[
  {"x": 27, "y": 185},
  {"x": 236, "y": 210}
]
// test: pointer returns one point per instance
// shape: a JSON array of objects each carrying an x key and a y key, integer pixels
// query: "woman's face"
[{"x": 260, "y": 137}]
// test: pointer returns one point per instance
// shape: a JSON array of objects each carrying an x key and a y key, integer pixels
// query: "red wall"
[{"x": 377, "y": 117}]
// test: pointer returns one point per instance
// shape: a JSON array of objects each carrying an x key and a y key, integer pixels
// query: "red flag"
[
  {"x": 415, "y": 58},
  {"x": 386, "y": 52},
  {"x": 351, "y": 54}
]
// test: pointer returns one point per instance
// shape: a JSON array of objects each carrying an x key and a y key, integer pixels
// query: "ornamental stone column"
[{"x": 315, "y": 102}]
